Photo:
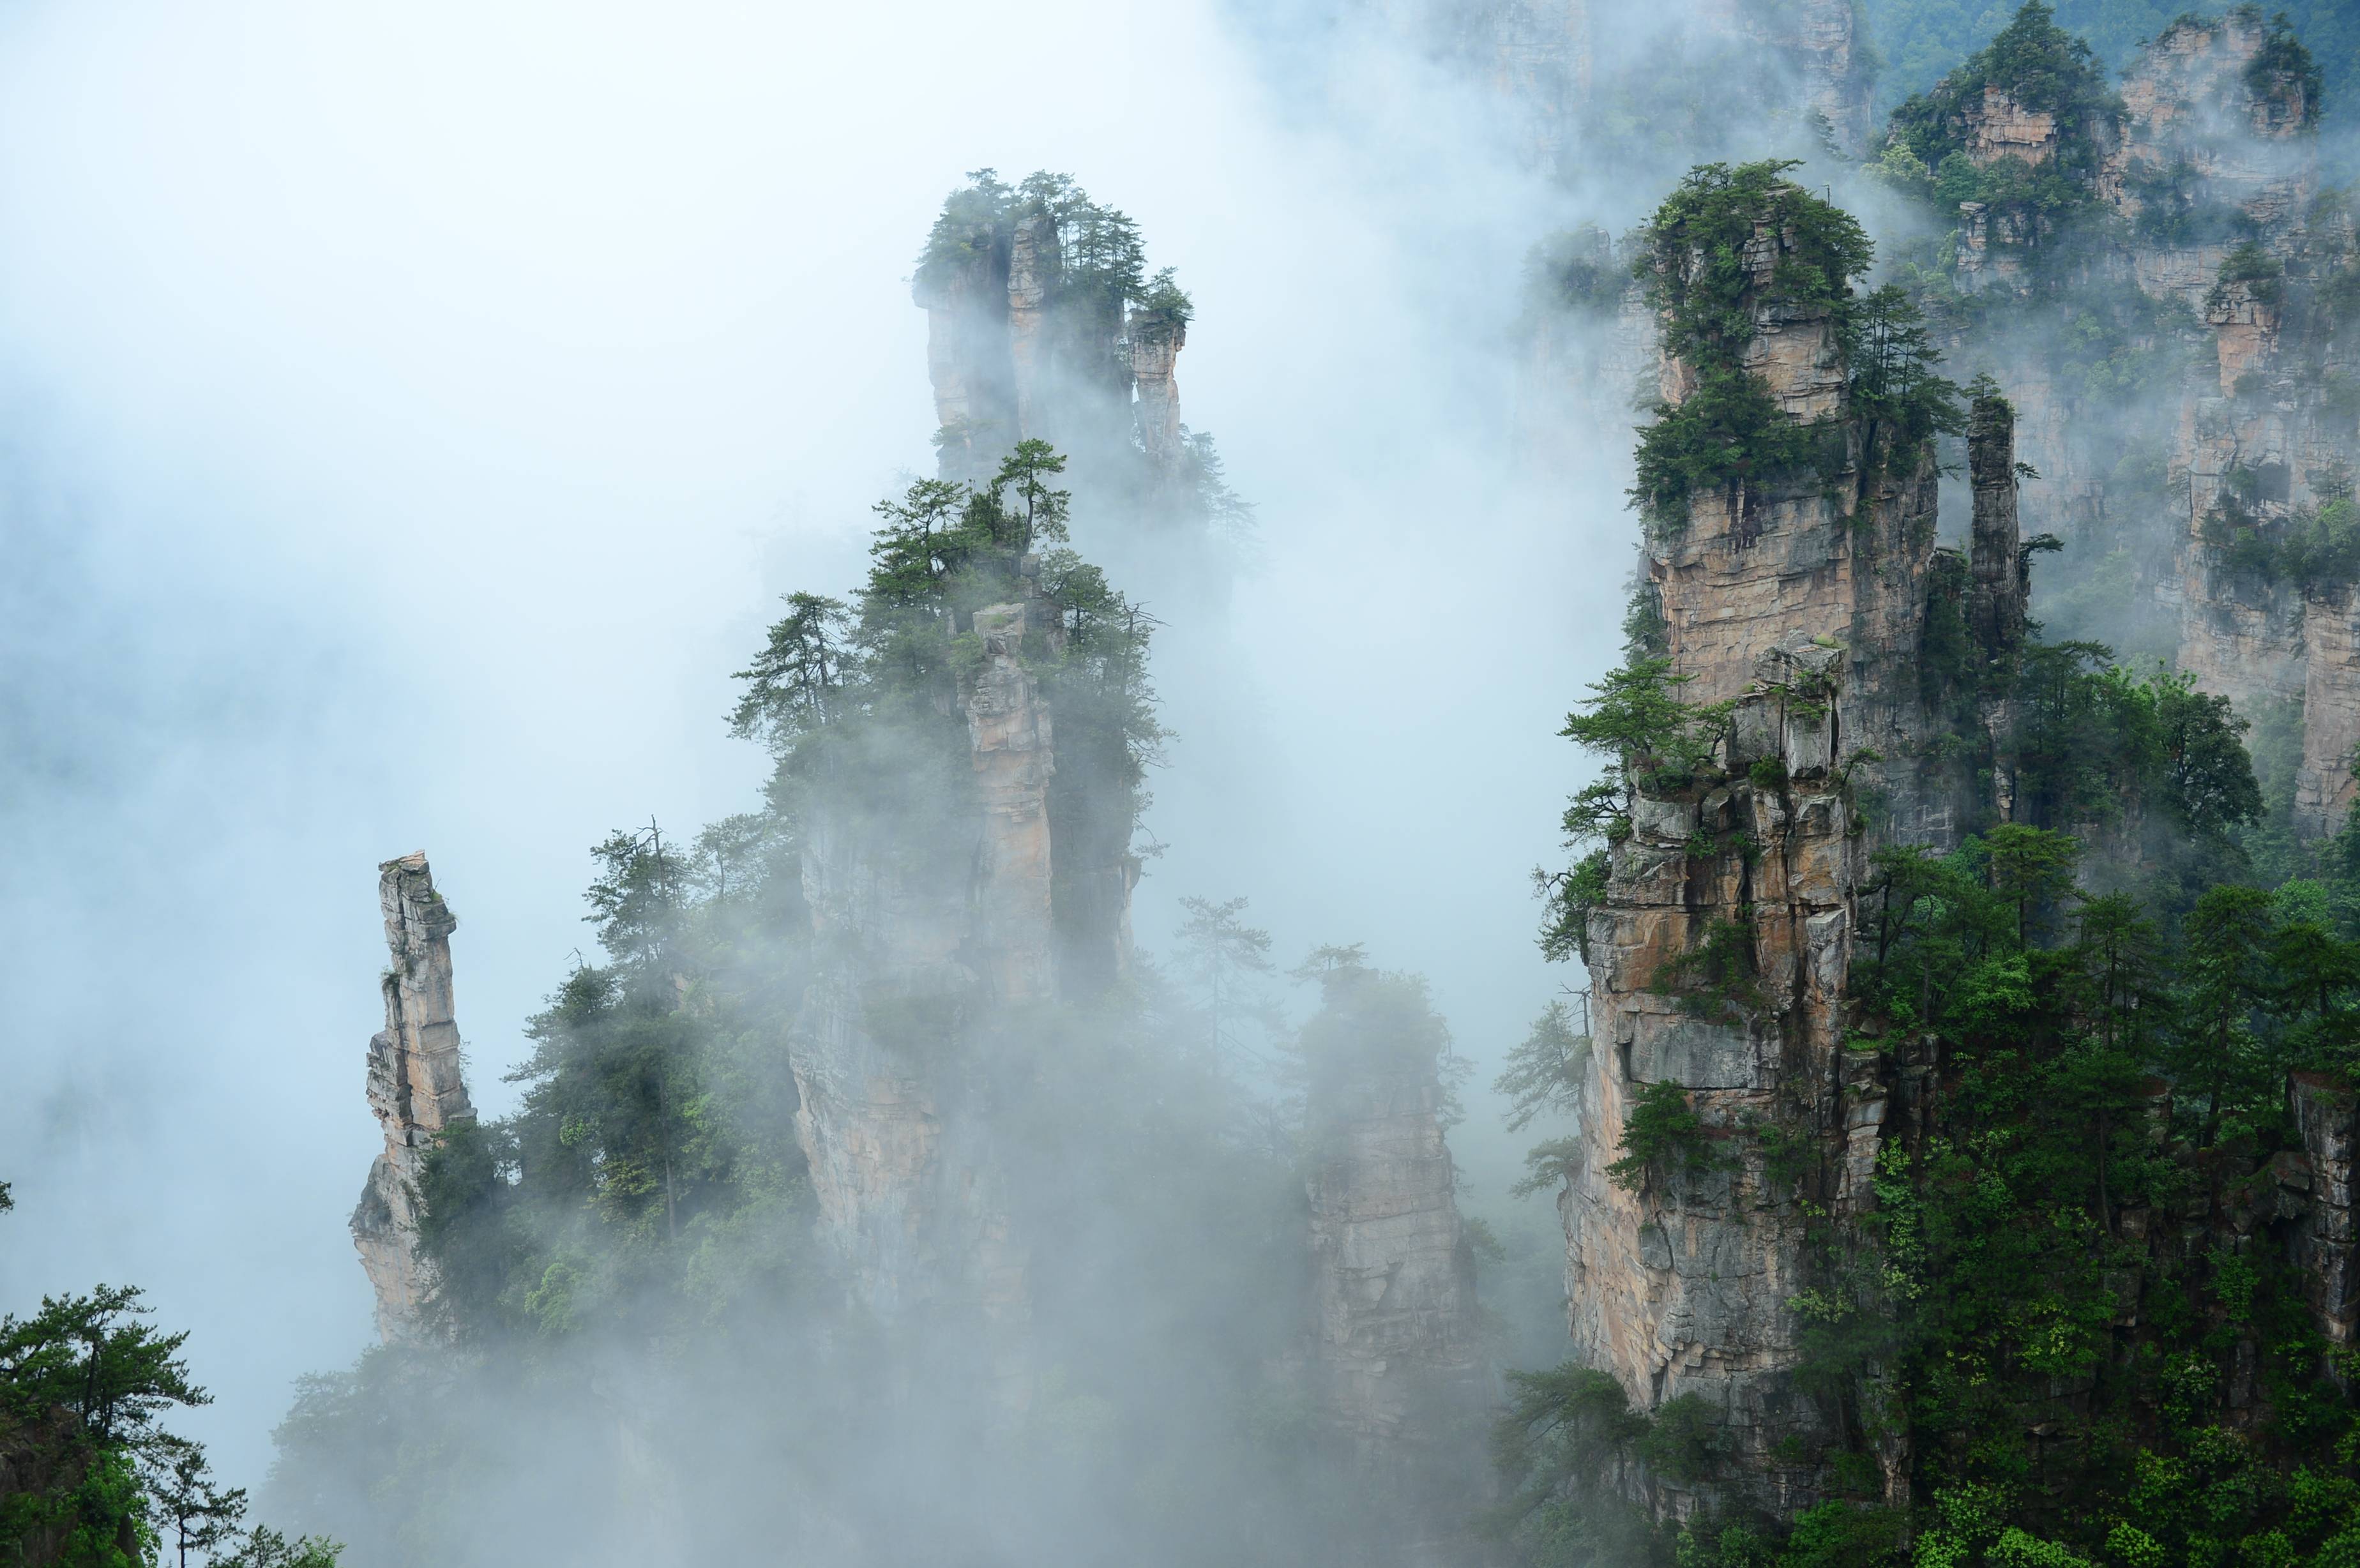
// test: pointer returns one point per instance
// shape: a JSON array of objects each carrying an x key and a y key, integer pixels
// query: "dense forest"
[{"x": 1920, "y": 40}]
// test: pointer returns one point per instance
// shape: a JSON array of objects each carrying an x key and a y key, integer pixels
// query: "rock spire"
[{"x": 416, "y": 1087}]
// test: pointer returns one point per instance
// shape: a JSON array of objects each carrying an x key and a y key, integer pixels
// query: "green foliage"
[
  {"x": 98, "y": 1356},
  {"x": 1226, "y": 960},
  {"x": 1685, "y": 1440},
  {"x": 1662, "y": 1136},
  {"x": 2152, "y": 762},
  {"x": 2263, "y": 275},
  {"x": 1562, "y": 1439},
  {"x": 2314, "y": 548},
  {"x": 792, "y": 683},
  {"x": 1374, "y": 1027},
  {"x": 1649, "y": 739},
  {"x": 1548, "y": 1165},
  {"x": 1921, "y": 40},
  {"x": 2283, "y": 68},
  {"x": 1577, "y": 271},
  {"x": 1163, "y": 310},
  {"x": 1893, "y": 385},
  {"x": 1715, "y": 979},
  {"x": 1542, "y": 1076},
  {"x": 1728, "y": 433},
  {"x": 2044, "y": 69},
  {"x": 1571, "y": 895},
  {"x": 90, "y": 1477}
]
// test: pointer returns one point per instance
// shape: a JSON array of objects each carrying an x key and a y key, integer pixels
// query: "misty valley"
[{"x": 1862, "y": 494}]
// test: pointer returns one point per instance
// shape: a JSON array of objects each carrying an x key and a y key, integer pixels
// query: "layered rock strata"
[
  {"x": 416, "y": 1087},
  {"x": 2000, "y": 586},
  {"x": 1684, "y": 1285}
]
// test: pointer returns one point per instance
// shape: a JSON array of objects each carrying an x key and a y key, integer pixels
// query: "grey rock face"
[{"x": 416, "y": 1088}]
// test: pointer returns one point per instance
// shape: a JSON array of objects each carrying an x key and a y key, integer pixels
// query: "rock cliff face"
[
  {"x": 1842, "y": 556},
  {"x": 1999, "y": 590},
  {"x": 2323, "y": 1240},
  {"x": 1396, "y": 1340},
  {"x": 1684, "y": 1285},
  {"x": 936, "y": 935},
  {"x": 1398, "y": 1373},
  {"x": 416, "y": 1088},
  {"x": 1804, "y": 614}
]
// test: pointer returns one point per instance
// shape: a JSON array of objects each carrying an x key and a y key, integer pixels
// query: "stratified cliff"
[{"x": 416, "y": 1087}]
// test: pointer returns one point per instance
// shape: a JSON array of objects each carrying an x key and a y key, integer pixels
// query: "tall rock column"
[
  {"x": 968, "y": 357},
  {"x": 1394, "y": 1271},
  {"x": 1034, "y": 261},
  {"x": 938, "y": 926},
  {"x": 1396, "y": 1344},
  {"x": 1010, "y": 735},
  {"x": 1998, "y": 590},
  {"x": 2325, "y": 1246},
  {"x": 415, "y": 1085},
  {"x": 1720, "y": 951},
  {"x": 1155, "y": 345},
  {"x": 1680, "y": 1283}
]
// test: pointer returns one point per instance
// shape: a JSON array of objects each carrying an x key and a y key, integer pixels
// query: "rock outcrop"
[
  {"x": 2322, "y": 1246},
  {"x": 1035, "y": 331},
  {"x": 1399, "y": 1375},
  {"x": 1397, "y": 1340},
  {"x": 1720, "y": 951},
  {"x": 416, "y": 1087},
  {"x": 1719, "y": 954},
  {"x": 937, "y": 931},
  {"x": 2000, "y": 585},
  {"x": 2211, "y": 174},
  {"x": 1684, "y": 1285}
]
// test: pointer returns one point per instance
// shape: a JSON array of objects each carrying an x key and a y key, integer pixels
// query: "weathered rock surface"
[
  {"x": 1683, "y": 1286},
  {"x": 2000, "y": 586},
  {"x": 1015, "y": 354},
  {"x": 416, "y": 1087},
  {"x": 928, "y": 942},
  {"x": 2323, "y": 1240},
  {"x": 1393, "y": 1282}
]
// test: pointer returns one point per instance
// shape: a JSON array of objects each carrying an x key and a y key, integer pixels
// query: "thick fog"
[{"x": 412, "y": 414}]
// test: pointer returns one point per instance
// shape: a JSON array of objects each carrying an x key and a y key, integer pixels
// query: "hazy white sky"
[{"x": 409, "y": 414}]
